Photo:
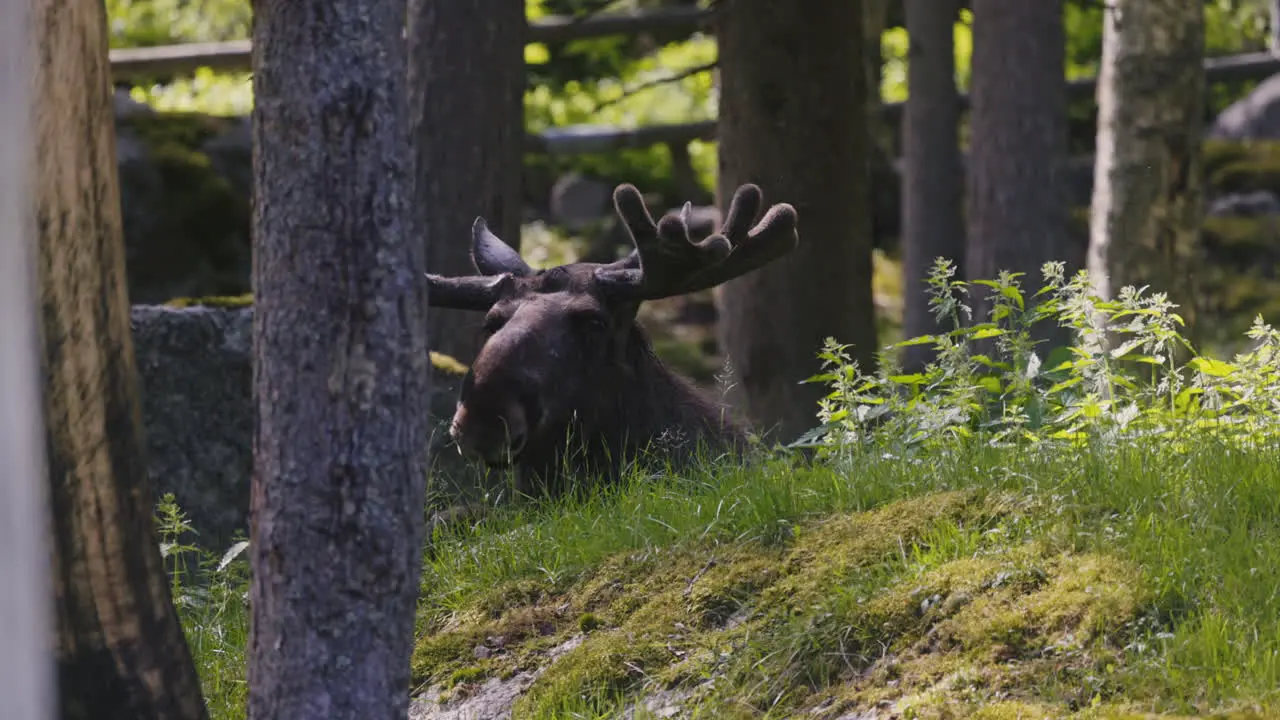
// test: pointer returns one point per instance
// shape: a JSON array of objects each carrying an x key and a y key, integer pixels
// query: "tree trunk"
[
  {"x": 1273, "y": 37},
  {"x": 1017, "y": 211},
  {"x": 1147, "y": 201},
  {"x": 875, "y": 13},
  {"x": 121, "y": 652},
  {"x": 341, "y": 365},
  {"x": 793, "y": 120},
  {"x": 466, "y": 86},
  {"x": 932, "y": 222},
  {"x": 27, "y": 677}
]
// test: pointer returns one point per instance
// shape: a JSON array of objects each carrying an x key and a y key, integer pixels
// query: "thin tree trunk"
[
  {"x": 341, "y": 365},
  {"x": 792, "y": 119},
  {"x": 932, "y": 221},
  {"x": 121, "y": 651},
  {"x": 1273, "y": 38},
  {"x": 1147, "y": 192},
  {"x": 466, "y": 86},
  {"x": 1017, "y": 211},
  {"x": 875, "y": 13},
  {"x": 27, "y": 679}
]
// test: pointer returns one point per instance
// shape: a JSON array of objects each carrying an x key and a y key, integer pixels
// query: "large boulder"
[
  {"x": 1256, "y": 116},
  {"x": 195, "y": 368}
]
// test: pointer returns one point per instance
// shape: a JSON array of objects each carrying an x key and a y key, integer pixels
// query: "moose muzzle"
[{"x": 496, "y": 438}]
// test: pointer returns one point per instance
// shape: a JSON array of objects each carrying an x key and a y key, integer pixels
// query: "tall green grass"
[{"x": 1125, "y": 443}]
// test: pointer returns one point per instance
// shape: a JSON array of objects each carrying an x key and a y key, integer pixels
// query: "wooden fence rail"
[
  {"x": 235, "y": 56},
  {"x": 580, "y": 139}
]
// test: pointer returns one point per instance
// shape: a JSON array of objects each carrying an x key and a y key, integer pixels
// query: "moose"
[{"x": 566, "y": 378}]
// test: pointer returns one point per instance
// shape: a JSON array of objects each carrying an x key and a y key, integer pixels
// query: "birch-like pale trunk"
[
  {"x": 120, "y": 648},
  {"x": 1147, "y": 198},
  {"x": 26, "y": 618}
]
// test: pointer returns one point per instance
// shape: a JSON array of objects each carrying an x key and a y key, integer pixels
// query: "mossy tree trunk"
[
  {"x": 466, "y": 88},
  {"x": 27, "y": 679},
  {"x": 932, "y": 221},
  {"x": 793, "y": 120},
  {"x": 341, "y": 368},
  {"x": 1147, "y": 191},
  {"x": 121, "y": 652},
  {"x": 1017, "y": 209}
]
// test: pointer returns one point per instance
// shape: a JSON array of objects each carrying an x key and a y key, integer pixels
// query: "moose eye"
[{"x": 494, "y": 322}]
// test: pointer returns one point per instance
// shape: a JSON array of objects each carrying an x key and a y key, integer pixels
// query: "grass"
[{"x": 1092, "y": 531}]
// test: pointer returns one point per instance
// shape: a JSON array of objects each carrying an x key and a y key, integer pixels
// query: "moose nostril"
[
  {"x": 517, "y": 429},
  {"x": 493, "y": 436}
]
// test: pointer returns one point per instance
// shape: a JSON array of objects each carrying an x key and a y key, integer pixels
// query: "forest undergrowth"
[{"x": 1092, "y": 531}]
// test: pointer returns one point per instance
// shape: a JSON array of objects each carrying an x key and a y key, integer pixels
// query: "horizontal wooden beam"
[
  {"x": 234, "y": 55},
  {"x": 582, "y": 139},
  {"x": 674, "y": 21},
  {"x": 590, "y": 138}
]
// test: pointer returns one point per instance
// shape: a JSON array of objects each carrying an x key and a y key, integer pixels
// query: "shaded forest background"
[{"x": 650, "y": 80}]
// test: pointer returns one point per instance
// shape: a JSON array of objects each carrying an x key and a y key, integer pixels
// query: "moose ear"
[{"x": 491, "y": 256}]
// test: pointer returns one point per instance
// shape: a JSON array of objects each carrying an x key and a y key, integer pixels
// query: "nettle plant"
[{"x": 1128, "y": 373}]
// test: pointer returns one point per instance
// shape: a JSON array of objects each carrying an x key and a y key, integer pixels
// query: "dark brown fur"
[{"x": 566, "y": 378}]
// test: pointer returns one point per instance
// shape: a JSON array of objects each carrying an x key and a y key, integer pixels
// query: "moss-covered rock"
[
  {"x": 185, "y": 192},
  {"x": 195, "y": 367}
]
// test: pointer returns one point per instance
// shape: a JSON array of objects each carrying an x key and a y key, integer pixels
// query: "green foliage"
[
  {"x": 210, "y": 591},
  {"x": 1121, "y": 379},
  {"x": 144, "y": 23}
]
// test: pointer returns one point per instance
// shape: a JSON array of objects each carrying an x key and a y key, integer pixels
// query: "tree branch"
[{"x": 650, "y": 84}]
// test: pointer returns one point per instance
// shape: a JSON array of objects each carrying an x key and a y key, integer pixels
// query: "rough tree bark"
[
  {"x": 1147, "y": 192},
  {"x": 341, "y": 364},
  {"x": 793, "y": 120},
  {"x": 932, "y": 221},
  {"x": 26, "y": 619},
  {"x": 1017, "y": 211},
  {"x": 466, "y": 89},
  {"x": 121, "y": 652}
]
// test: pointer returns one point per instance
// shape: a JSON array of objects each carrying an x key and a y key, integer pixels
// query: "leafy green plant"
[
  {"x": 1122, "y": 376},
  {"x": 210, "y": 591}
]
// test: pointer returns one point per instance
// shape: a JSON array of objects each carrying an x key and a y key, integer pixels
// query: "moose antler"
[
  {"x": 666, "y": 262},
  {"x": 496, "y": 262}
]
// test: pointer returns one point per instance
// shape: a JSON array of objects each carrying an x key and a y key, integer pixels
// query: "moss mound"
[{"x": 929, "y": 607}]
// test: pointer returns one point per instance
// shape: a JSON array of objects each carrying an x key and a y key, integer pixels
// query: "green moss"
[
  {"x": 1025, "y": 624},
  {"x": 215, "y": 301},
  {"x": 188, "y": 225},
  {"x": 588, "y": 622},
  {"x": 447, "y": 364},
  {"x": 1243, "y": 167},
  {"x": 896, "y": 605},
  {"x": 1010, "y": 710},
  {"x": 835, "y": 548},
  {"x": 498, "y": 644},
  {"x": 474, "y": 673}
]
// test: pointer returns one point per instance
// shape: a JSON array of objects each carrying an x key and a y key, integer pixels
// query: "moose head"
[{"x": 562, "y": 355}]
